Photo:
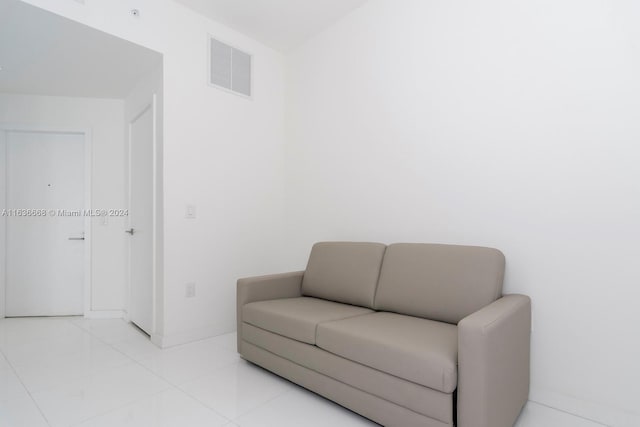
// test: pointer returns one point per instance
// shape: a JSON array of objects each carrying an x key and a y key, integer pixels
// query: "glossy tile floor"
[{"x": 75, "y": 372}]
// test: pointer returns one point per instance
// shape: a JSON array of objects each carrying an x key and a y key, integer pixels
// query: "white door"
[
  {"x": 45, "y": 253},
  {"x": 141, "y": 170}
]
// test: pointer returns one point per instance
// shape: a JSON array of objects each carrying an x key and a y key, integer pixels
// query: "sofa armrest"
[
  {"x": 493, "y": 363},
  {"x": 262, "y": 288}
]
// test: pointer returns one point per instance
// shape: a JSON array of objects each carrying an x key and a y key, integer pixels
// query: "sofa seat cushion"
[
  {"x": 415, "y": 349},
  {"x": 297, "y": 318},
  {"x": 423, "y": 400}
]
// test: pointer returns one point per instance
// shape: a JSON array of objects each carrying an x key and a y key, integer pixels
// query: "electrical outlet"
[
  {"x": 190, "y": 212},
  {"x": 190, "y": 290}
]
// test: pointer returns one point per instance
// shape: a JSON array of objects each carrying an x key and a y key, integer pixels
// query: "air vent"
[{"x": 229, "y": 68}]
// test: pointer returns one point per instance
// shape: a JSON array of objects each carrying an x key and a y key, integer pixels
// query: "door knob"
[
  {"x": 77, "y": 238},
  {"x": 131, "y": 231}
]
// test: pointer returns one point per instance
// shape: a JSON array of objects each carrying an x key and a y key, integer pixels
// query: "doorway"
[
  {"x": 47, "y": 194},
  {"x": 94, "y": 96}
]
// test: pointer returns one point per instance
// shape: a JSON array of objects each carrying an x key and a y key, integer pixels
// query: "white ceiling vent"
[{"x": 229, "y": 68}]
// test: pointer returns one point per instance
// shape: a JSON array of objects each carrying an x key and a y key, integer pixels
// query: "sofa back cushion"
[
  {"x": 344, "y": 272},
  {"x": 439, "y": 282}
]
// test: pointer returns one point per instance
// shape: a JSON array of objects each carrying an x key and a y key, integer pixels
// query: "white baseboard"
[
  {"x": 105, "y": 314},
  {"x": 603, "y": 414},
  {"x": 156, "y": 339},
  {"x": 185, "y": 337}
]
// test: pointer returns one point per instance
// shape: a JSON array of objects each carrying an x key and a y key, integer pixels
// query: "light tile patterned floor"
[{"x": 63, "y": 372}]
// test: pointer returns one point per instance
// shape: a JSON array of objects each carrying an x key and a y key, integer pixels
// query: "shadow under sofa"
[{"x": 405, "y": 335}]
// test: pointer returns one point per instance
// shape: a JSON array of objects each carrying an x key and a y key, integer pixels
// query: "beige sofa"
[{"x": 405, "y": 335}]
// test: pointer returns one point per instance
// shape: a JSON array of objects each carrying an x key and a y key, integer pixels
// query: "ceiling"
[
  {"x": 281, "y": 24},
  {"x": 44, "y": 54}
]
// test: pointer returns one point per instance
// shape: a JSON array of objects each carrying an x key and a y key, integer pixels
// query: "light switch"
[{"x": 191, "y": 212}]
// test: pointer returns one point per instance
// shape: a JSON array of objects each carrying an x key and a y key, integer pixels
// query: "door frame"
[
  {"x": 151, "y": 104},
  {"x": 6, "y": 128}
]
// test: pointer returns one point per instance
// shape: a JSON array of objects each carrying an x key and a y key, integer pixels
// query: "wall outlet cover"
[
  {"x": 190, "y": 290},
  {"x": 190, "y": 212}
]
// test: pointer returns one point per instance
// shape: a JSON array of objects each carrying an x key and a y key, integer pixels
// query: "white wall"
[
  {"x": 500, "y": 123},
  {"x": 105, "y": 119},
  {"x": 222, "y": 153},
  {"x": 3, "y": 223}
]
